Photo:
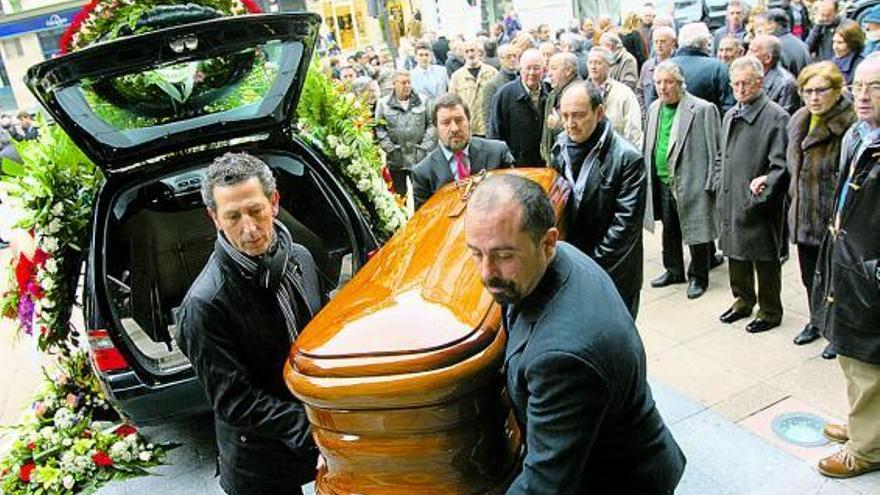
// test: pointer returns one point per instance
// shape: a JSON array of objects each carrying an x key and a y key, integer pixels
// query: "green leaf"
[{"x": 12, "y": 168}]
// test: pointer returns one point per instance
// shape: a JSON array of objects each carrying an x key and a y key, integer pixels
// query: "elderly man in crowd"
[
  {"x": 620, "y": 104},
  {"x": 821, "y": 36},
  {"x": 518, "y": 111},
  {"x": 750, "y": 189},
  {"x": 735, "y": 24},
  {"x": 458, "y": 154},
  {"x": 547, "y": 50},
  {"x": 563, "y": 71},
  {"x": 795, "y": 55},
  {"x": 509, "y": 57},
  {"x": 470, "y": 81},
  {"x": 623, "y": 65},
  {"x": 681, "y": 147},
  {"x": 428, "y": 79},
  {"x": 664, "y": 46},
  {"x": 572, "y": 43},
  {"x": 730, "y": 49},
  {"x": 779, "y": 85},
  {"x": 575, "y": 365},
  {"x": 846, "y": 299},
  {"x": 405, "y": 131},
  {"x": 606, "y": 206},
  {"x": 705, "y": 77}
]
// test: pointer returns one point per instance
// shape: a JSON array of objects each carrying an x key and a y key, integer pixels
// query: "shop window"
[
  {"x": 49, "y": 42},
  {"x": 12, "y": 48}
]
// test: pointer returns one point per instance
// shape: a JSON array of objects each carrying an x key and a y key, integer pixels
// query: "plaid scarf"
[{"x": 275, "y": 271}]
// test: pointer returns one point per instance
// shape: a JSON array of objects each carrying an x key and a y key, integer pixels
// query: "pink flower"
[{"x": 71, "y": 400}]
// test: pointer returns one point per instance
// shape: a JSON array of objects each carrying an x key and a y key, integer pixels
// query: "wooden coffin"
[{"x": 400, "y": 372}]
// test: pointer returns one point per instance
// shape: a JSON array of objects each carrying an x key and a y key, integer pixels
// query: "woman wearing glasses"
[{"x": 814, "y": 136}]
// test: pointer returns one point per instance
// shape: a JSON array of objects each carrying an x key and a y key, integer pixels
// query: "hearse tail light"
[{"x": 105, "y": 356}]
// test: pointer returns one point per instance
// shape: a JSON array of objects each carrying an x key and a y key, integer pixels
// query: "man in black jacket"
[
  {"x": 574, "y": 363},
  {"x": 822, "y": 34},
  {"x": 236, "y": 325},
  {"x": 846, "y": 287},
  {"x": 609, "y": 189},
  {"x": 518, "y": 111}
]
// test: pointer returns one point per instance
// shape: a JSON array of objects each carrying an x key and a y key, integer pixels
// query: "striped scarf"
[{"x": 275, "y": 271}]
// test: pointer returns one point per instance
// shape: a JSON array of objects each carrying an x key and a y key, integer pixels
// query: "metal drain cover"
[{"x": 802, "y": 429}]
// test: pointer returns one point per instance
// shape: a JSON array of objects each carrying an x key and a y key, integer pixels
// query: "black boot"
[{"x": 807, "y": 335}]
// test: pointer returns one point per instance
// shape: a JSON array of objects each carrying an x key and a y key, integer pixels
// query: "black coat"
[
  {"x": 846, "y": 287},
  {"x": 516, "y": 122},
  {"x": 433, "y": 172},
  {"x": 705, "y": 77},
  {"x": 575, "y": 371},
  {"x": 608, "y": 224},
  {"x": 236, "y": 338},
  {"x": 752, "y": 145}
]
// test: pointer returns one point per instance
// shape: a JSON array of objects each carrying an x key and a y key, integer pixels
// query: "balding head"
[
  {"x": 509, "y": 229},
  {"x": 866, "y": 90},
  {"x": 767, "y": 49}
]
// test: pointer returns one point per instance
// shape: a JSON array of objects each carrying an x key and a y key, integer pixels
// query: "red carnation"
[
  {"x": 25, "y": 472},
  {"x": 125, "y": 430},
  {"x": 31, "y": 446},
  {"x": 101, "y": 459}
]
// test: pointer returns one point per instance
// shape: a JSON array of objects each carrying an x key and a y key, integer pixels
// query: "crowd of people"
[
  {"x": 21, "y": 128},
  {"x": 732, "y": 139}
]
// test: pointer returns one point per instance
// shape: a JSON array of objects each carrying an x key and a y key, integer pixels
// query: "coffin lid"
[{"x": 417, "y": 305}]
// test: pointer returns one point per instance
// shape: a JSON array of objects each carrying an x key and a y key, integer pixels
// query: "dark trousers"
[
  {"x": 742, "y": 284},
  {"x": 398, "y": 178},
  {"x": 673, "y": 254},
  {"x": 808, "y": 256}
]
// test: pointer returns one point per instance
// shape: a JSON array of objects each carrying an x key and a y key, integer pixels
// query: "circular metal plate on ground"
[{"x": 802, "y": 429}]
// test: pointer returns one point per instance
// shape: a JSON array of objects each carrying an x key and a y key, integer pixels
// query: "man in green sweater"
[{"x": 681, "y": 147}]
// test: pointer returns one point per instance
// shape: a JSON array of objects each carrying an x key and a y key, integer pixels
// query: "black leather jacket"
[
  {"x": 235, "y": 336},
  {"x": 608, "y": 224}
]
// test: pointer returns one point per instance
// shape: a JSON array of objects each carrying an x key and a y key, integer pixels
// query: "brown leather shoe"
[
  {"x": 836, "y": 433},
  {"x": 845, "y": 465}
]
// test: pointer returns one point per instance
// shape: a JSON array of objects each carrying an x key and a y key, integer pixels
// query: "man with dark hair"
[
  {"x": 609, "y": 189},
  {"x": 458, "y": 154},
  {"x": 236, "y": 324},
  {"x": 575, "y": 373},
  {"x": 428, "y": 79},
  {"x": 795, "y": 55},
  {"x": 779, "y": 84}
]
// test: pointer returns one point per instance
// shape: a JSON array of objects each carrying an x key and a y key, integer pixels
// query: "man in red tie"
[{"x": 458, "y": 154}]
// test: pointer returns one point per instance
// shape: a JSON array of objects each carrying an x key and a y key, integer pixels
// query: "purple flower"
[{"x": 26, "y": 313}]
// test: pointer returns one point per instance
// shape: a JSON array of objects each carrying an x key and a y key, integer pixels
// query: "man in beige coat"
[
  {"x": 621, "y": 104},
  {"x": 470, "y": 81}
]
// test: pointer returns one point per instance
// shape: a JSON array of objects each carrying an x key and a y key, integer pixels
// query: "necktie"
[{"x": 461, "y": 169}]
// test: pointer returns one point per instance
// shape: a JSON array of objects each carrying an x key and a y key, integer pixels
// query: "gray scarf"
[{"x": 276, "y": 271}]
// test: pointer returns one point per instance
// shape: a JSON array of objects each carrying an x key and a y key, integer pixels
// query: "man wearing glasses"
[
  {"x": 518, "y": 111},
  {"x": 750, "y": 193},
  {"x": 846, "y": 288}
]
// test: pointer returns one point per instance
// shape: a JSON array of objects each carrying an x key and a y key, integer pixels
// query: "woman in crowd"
[
  {"x": 848, "y": 43},
  {"x": 815, "y": 133},
  {"x": 631, "y": 37}
]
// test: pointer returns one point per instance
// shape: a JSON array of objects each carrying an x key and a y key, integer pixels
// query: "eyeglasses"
[
  {"x": 742, "y": 84},
  {"x": 808, "y": 92},
  {"x": 872, "y": 87}
]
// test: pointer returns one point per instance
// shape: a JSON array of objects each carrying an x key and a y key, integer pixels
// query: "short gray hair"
[
  {"x": 572, "y": 41},
  {"x": 661, "y": 30},
  {"x": 569, "y": 60},
  {"x": 671, "y": 68},
  {"x": 605, "y": 53},
  {"x": 234, "y": 168},
  {"x": 612, "y": 39},
  {"x": 694, "y": 35},
  {"x": 772, "y": 44},
  {"x": 747, "y": 62}
]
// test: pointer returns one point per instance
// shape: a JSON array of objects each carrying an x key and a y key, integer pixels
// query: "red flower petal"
[
  {"x": 24, "y": 474},
  {"x": 125, "y": 430},
  {"x": 31, "y": 446},
  {"x": 101, "y": 459},
  {"x": 24, "y": 271}
]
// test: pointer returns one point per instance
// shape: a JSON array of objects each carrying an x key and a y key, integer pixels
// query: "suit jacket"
[
  {"x": 433, "y": 171},
  {"x": 691, "y": 160},
  {"x": 236, "y": 338},
  {"x": 575, "y": 375}
]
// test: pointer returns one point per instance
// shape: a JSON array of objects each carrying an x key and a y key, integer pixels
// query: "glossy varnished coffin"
[{"x": 399, "y": 373}]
